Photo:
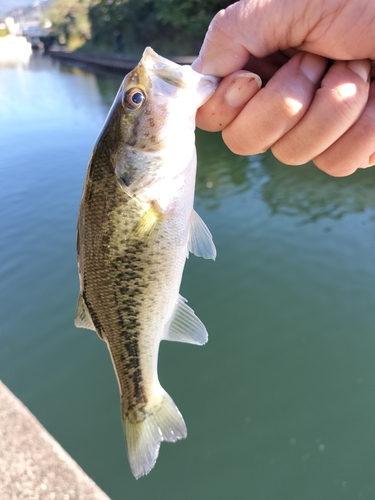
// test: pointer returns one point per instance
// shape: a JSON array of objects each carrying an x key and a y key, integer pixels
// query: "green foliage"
[
  {"x": 127, "y": 26},
  {"x": 190, "y": 16},
  {"x": 124, "y": 23},
  {"x": 70, "y": 21}
]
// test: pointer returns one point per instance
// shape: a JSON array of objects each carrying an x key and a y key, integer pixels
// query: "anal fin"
[{"x": 185, "y": 326}]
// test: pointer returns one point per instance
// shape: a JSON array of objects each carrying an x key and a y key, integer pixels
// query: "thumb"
[{"x": 250, "y": 27}]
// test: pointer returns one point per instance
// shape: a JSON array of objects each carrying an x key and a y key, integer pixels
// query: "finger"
[
  {"x": 230, "y": 97},
  {"x": 336, "y": 107},
  {"x": 356, "y": 148},
  {"x": 256, "y": 28},
  {"x": 276, "y": 108}
]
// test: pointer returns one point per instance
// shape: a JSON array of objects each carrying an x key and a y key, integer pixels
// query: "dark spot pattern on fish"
[{"x": 130, "y": 286}]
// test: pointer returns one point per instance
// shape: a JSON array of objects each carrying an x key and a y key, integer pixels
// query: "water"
[{"x": 280, "y": 404}]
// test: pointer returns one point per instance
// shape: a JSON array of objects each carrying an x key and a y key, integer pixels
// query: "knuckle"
[
  {"x": 341, "y": 168},
  {"x": 342, "y": 102},
  {"x": 344, "y": 92},
  {"x": 287, "y": 108},
  {"x": 368, "y": 123},
  {"x": 288, "y": 153},
  {"x": 218, "y": 28},
  {"x": 238, "y": 143}
]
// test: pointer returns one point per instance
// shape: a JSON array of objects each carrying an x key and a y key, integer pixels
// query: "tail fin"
[{"x": 163, "y": 423}]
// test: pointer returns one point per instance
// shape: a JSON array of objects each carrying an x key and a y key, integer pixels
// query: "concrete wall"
[
  {"x": 33, "y": 466},
  {"x": 115, "y": 62}
]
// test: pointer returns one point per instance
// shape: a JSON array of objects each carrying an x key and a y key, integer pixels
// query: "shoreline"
[{"x": 109, "y": 61}]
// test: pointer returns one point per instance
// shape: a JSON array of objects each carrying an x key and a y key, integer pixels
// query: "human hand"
[{"x": 305, "y": 111}]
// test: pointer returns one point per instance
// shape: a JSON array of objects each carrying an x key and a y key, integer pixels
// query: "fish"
[{"x": 136, "y": 227}]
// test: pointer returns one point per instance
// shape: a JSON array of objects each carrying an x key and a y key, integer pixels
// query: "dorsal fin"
[
  {"x": 185, "y": 326},
  {"x": 200, "y": 239}
]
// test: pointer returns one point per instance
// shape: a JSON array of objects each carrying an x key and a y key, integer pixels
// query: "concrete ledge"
[
  {"x": 33, "y": 466},
  {"x": 109, "y": 61}
]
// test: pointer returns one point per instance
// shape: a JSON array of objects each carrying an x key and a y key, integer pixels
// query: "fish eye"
[{"x": 134, "y": 98}]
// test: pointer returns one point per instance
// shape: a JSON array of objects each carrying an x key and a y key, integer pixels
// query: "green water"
[{"x": 280, "y": 404}]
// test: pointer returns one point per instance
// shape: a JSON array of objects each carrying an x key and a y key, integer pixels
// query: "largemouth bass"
[{"x": 136, "y": 226}]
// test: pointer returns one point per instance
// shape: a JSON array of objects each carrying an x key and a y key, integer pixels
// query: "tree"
[
  {"x": 70, "y": 21},
  {"x": 169, "y": 26}
]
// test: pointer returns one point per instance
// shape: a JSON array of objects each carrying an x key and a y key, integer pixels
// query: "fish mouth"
[
  {"x": 177, "y": 78},
  {"x": 168, "y": 71},
  {"x": 152, "y": 61},
  {"x": 176, "y": 75}
]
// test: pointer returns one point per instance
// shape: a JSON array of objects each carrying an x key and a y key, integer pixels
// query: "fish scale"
[{"x": 136, "y": 225}]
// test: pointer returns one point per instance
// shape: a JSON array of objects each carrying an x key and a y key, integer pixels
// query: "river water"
[{"x": 280, "y": 404}]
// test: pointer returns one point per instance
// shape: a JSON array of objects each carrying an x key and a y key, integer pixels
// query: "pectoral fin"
[
  {"x": 148, "y": 224},
  {"x": 185, "y": 326},
  {"x": 200, "y": 239}
]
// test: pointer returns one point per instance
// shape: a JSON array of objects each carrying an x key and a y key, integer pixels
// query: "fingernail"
[
  {"x": 371, "y": 161},
  {"x": 197, "y": 65},
  {"x": 242, "y": 88},
  {"x": 361, "y": 68},
  {"x": 313, "y": 66}
]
